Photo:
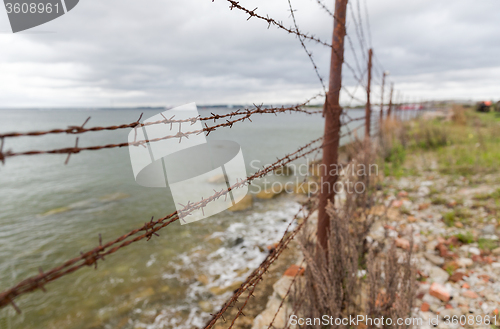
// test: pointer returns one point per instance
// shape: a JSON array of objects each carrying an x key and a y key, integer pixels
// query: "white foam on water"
[{"x": 244, "y": 248}]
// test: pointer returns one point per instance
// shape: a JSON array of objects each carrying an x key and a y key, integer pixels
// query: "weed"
[
  {"x": 487, "y": 244},
  {"x": 449, "y": 218},
  {"x": 428, "y": 135},
  {"x": 462, "y": 213},
  {"x": 439, "y": 200},
  {"x": 496, "y": 195},
  {"x": 433, "y": 190},
  {"x": 449, "y": 269},
  {"x": 482, "y": 197},
  {"x": 466, "y": 238}
]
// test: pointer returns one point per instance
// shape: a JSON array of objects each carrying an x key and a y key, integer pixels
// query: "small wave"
[{"x": 224, "y": 269}]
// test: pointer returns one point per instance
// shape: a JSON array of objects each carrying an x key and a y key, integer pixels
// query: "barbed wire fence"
[{"x": 152, "y": 227}]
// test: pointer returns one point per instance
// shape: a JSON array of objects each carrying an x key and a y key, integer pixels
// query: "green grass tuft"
[{"x": 466, "y": 237}]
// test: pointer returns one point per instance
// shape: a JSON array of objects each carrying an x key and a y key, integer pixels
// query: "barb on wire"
[
  {"x": 71, "y": 151},
  {"x": 325, "y": 8},
  {"x": 81, "y": 129},
  {"x": 309, "y": 54},
  {"x": 90, "y": 258},
  {"x": 271, "y": 21}
]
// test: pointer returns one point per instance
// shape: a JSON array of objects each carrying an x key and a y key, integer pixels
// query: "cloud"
[{"x": 169, "y": 53}]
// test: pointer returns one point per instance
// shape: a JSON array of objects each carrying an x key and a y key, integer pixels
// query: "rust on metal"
[{"x": 332, "y": 122}]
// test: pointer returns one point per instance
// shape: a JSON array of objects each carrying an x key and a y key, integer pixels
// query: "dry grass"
[
  {"x": 459, "y": 117},
  {"x": 352, "y": 277}
]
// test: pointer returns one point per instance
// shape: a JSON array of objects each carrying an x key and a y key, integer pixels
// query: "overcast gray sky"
[{"x": 128, "y": 53}]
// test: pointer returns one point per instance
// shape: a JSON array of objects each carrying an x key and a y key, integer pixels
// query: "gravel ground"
[{"x": 453, "y": 221}]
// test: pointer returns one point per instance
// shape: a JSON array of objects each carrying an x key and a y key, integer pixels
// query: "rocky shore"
[{"x": 453, "y": 224}]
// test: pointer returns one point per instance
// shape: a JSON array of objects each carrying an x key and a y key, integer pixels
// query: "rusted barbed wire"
[
  {"x": 90, "y": 258},
  {"x": 245, "y": 115},
  {"x": 286, "y": 294},
  {"x": 359, "y": 31},
  {"x": 271, "y": 21},
  {"x": 81, "y": 129},
  {"x": 315, "y": 67},
  {"x": 257, "y": 275},
  {"x": 309, "y": 54},
  {"x": 329, "y": 12},
  {"x": 75, "y": 149},
  {"x": 356, "y": 89}
]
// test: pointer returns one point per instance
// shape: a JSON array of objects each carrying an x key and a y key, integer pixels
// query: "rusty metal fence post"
[
  {"x": 368, "y": 109},
  {"x": 332, "y": 112},
  {"x": 382, "y": 97}
]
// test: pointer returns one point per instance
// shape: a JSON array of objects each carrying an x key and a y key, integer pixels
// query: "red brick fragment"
[
  {"x": 457, "y": 276},
  {"x": 403, "y": 243},
  {"x": 294, "y": 270},
  {"x": 470, "y": 294},
  {"x": 485, "y": 277},
  {"x": 439, "y": 292},
  {"x": 423, "y": 206},
  {"x": 477, "y": 258}
]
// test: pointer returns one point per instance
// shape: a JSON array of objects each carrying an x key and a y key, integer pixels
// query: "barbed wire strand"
[
  {"x": 360, "y": 20},
  {"x": 208, "y": 129},
  {"x": 76, "y": 149},
  {"x": 271, "y": 21},
  {"x": 358, "y": 66},
  {"x": 286, "y": 294},
  {"x": 358, "y": 33},
  {"x": 368, "y": 24},
  {"x": 355, "y": 90},
  {"x": 325, "y": 8},
  {"x": 256, "y": 276},
  {"x": 81, "y": 129},
  {"x": 309, "y": 54}
]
